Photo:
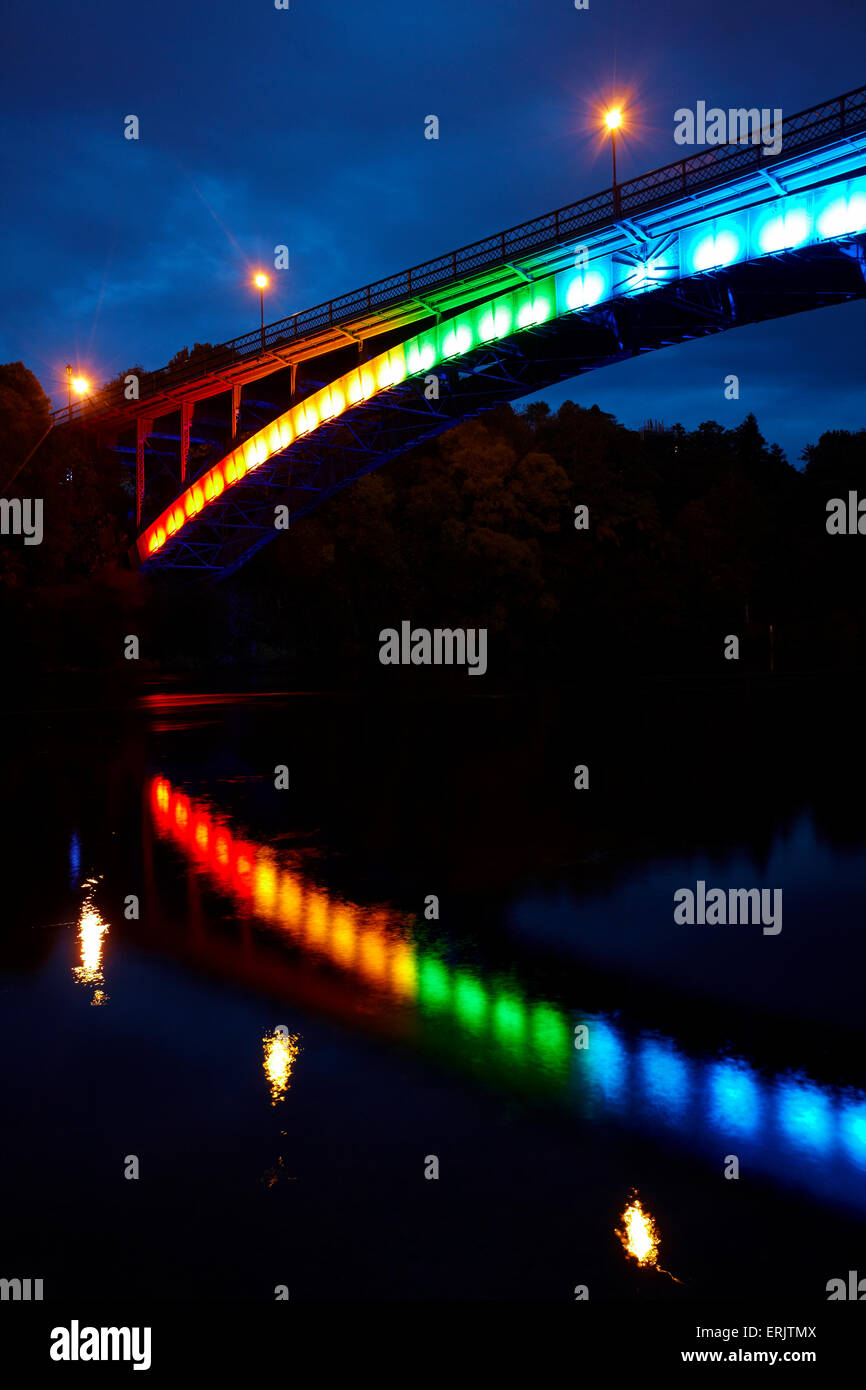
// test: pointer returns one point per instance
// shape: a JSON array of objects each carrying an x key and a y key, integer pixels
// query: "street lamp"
[
  {"x": 261, "y": 284},
  {"x": 79, "y": 385},
  {"x": 613, "y": 122}
]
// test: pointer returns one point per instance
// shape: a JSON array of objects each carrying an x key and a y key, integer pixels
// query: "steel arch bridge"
[{"x": 729, "y": 236}]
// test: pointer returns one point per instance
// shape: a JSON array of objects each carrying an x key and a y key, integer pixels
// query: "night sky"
[{"x": 306, "y": 127}]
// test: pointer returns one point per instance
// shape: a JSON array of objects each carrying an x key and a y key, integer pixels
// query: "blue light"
[
  {"x": 605, "y": 1059},
  {"x": 842, "y": 216},
  {"x": 805, "y": 1115},
  {"x": 74, "y": 859},
  {"x": 852, "y": 1127},
  {"x": 584, "y": 290},
  {"x": 735, "y": 1097},
  {"x": 666, "y": 1077},
  {"x": 720, "y": 248},
  {"x": 782, "y": 232}
]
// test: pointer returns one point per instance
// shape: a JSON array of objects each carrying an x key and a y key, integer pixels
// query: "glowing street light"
[
  {"x": 261, "y": 284},
  {"x": 613, "y": 122},
  {"x": 77, "y": 384}
]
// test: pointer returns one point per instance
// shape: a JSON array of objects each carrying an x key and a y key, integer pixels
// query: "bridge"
[{"x": 728, "y": 236}]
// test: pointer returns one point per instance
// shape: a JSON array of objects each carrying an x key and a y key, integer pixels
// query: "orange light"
[
  {"x": 261, "y": 282},
  {"x": 613, "y": 118},
  {"x": 80, "y": 385}
]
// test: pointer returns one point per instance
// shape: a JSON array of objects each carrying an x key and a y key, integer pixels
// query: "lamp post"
[
  {"x": 613, "y": 121},
  {"x": 261, "y": 282}
]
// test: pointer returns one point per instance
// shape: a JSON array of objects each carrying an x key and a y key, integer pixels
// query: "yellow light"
[
  {"x": 261, "y": 282},
  {"x": 80, "y": 385},
  {"x": 640, "y": 1237},
  {"x": 281, "y": 1051},
  {"x": 613, "y": 119},
  {"x": 92, "y": 929}
]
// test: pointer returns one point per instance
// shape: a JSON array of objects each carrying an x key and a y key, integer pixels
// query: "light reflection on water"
[
  {"x": 787, "y": 1127},
  {"x": 92, "y": 929}
]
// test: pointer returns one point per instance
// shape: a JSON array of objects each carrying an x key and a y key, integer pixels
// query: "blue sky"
[{"x": 306, "y": 128}]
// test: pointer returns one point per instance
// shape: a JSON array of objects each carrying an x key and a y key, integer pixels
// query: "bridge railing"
[{"x": 817, "y": 125}]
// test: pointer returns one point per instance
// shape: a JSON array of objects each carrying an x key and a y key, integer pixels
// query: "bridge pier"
[
  {"x": 143, "y": 427},
  {"x": 186, "y": 410},
  {"x": 236, "y": 410}
]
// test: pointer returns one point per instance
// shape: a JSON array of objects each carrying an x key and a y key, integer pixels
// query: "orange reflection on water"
[
  {"x": 640, "y": 1237},
  {"x": 281, "y": 1051},
  {"x": 374, "y": 942},
  {"x": 92, "y": 929}
]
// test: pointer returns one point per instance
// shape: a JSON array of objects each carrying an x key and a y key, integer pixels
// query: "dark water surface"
[{"x": 299, "y": 1158}]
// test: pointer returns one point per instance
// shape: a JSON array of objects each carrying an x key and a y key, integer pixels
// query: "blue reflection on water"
[
  {"x": 852, "y": 1131},
  {"x": 74, "y": 859},
  {"x": 605, "y": 1061},
  {"x": 666, "y": 1078},
  {"x": 787, "y": 1127},
  {"x": 805, "y": 1114},
  {"x": 734, "y": 1096}
]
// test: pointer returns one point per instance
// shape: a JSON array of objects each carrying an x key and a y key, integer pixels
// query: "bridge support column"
[
  {"x": 185, "y": 422},
  {"x": 236, "y": 410},
  {"x": 143, "y": 428}
]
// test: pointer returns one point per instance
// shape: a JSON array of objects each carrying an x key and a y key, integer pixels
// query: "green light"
[
  {"x": 487, "y": 326},
  {"x": 509, "y": 1017},
  {"x": 433, "y": 983},
  {"x": 470, "y": 1001},
  {"x": 413, "y": 357},
  {"x": 550, "y": 1033},
  {"x": 502, "y": 319},
  {"x": 458, "y": 340}
]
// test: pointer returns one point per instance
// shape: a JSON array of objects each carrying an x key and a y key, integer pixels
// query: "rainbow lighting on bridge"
[
  {"x": 786, "y": 1125},
  {"x": 693, "y": 243}
]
